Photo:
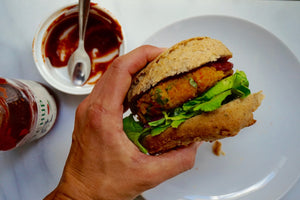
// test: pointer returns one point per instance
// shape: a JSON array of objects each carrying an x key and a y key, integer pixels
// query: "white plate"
[{"x": 262, "y": 162}]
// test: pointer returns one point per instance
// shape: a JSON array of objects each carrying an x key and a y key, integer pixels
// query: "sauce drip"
[{"x": 103, "y": 39}]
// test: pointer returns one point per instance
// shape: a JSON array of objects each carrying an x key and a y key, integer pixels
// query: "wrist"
[
  {"x": 76, "y": 186},
  {"x": 65, "y": 191}
]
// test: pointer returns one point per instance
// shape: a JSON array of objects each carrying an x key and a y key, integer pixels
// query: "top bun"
[{"x": 182, "y": 57}]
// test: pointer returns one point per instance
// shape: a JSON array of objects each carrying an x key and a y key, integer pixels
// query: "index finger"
[{"x": 112, "y": 88}]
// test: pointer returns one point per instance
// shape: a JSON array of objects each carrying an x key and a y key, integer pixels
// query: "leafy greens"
[{"x": 232, "y": 87}]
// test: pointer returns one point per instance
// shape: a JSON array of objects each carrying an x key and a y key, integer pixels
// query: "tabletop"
[{"x": 19, "y": 20}]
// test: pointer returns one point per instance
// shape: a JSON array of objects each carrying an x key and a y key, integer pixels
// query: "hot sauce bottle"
[{"x": 28, "y": 111}]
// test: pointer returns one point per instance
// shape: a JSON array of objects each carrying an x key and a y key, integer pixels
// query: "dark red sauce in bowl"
[{"x": 103, "y": 40}]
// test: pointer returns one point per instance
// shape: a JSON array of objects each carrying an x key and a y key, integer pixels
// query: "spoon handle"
[{"x": 84, "y": 7}]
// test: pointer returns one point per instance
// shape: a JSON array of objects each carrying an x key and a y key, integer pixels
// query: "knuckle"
[
  {"x": 189, "y": 162},
  {"x": 80, "y": 110},
  {"x": 89, "y": 114},
  {"x": 117, "y": 63},
  {"x": 145, "y": 47},
  {"x": 96, "y": 114}
]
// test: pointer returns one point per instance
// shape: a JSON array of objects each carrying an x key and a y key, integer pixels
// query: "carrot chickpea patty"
[{"x": 174, "y": 92}]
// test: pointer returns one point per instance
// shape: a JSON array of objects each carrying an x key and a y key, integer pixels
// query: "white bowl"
[{"x": 58, "y": 76}]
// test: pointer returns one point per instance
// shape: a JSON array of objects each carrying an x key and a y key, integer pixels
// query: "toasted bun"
[
  {"x": 226, "y": 121},
  {"x": 182, "y": 57}
]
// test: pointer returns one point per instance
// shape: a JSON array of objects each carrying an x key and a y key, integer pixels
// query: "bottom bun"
[{"x": 224, "y": 122}]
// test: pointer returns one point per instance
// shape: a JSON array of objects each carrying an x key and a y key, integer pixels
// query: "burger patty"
[{"x": 174, "y": 92}]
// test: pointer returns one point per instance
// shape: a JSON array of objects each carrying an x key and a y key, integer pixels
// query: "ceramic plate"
[{"x": 262, "y": 162}]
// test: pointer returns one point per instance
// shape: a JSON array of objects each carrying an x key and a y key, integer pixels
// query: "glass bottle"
[{"x": 28, "y": 110}]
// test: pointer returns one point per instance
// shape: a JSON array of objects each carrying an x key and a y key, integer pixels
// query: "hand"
[{"x": 103, "y": 163}]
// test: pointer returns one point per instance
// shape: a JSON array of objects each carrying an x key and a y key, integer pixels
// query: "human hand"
[{"x": 103, "y": 163}]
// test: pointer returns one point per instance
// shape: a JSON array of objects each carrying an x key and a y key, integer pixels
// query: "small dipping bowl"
[{"x": 57, "y": 38}]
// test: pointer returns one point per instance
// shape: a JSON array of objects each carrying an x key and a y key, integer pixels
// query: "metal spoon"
[{"x": 79, "y": 64}]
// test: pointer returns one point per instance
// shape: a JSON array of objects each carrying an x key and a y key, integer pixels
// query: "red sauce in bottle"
[
  {"x": 27, "y": 112},
  {"x": 103, "y": 39},
  {"x": 16, "y": 115}
]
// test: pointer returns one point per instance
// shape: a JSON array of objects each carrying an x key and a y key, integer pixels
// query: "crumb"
[{"x": 217, "y": 148}]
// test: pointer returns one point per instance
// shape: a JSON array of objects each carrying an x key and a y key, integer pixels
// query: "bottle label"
[{"x": 46, "y": 112}]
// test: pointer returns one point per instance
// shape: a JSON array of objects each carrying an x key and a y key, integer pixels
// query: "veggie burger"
[{"x": 188, "y": 93}]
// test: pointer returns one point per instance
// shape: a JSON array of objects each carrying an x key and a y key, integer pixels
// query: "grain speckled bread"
[
  {"x": 226, "y": 121},
  {"x": 182, "y": 57}
]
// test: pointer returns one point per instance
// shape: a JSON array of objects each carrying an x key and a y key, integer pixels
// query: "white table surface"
[{"x": 19, "y": 20}]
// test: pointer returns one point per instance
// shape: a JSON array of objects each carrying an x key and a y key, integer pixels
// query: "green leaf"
[
  {"x": 193, "y": 83},
  {"x": 236, "y": 81},
  {"x": 214, "y": 103},
  {"x": 158, "y": 130},
  {"x": 191, "y": 104},
  {"x": 175, "y": 124},
  {"x": 177, "y": 111},
  {"x": 130, "y": 125},
  {"x": 134, "y": 130},
  {"x": 135, "y": 137},
  {"x": 182, "y": 115},
  {"x": 157, "y": 122}
]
